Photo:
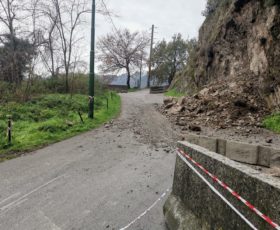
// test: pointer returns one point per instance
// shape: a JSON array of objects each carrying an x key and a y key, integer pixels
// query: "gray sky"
[{"x": 169, "y": 17}]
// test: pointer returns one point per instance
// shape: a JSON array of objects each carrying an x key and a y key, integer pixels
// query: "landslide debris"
[{"x": 222, "y": 104}]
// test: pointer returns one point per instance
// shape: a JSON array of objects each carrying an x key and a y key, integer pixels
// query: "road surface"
[{"x": 103, "y": 179}]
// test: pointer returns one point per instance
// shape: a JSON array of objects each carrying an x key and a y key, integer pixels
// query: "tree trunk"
[
  {"x": 128, "y": 78},
  {"x": 66, "y": 82},
  {"x": 170, "y": 79}
]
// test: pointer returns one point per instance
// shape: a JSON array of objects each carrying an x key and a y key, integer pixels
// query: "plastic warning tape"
[{"x": 232, "y": 192}]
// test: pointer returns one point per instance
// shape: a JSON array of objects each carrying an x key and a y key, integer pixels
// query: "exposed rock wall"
[{"x": 239, "y": 40}]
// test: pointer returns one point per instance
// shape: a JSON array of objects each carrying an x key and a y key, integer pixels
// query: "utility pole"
[
  {"x": 151, "y": 55},
  {"x": 91, "y": 65}
]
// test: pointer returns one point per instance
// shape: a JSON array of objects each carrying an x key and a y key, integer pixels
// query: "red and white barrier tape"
[{"x": 232, "y": 192}]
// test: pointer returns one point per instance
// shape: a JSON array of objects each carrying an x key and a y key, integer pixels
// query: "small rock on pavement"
[
  {"x": 107, "y": 126},
  {"x": 269, "y": 140},
  {"x": 195, "y": 128},
  {"x": 167, "y": 150}
]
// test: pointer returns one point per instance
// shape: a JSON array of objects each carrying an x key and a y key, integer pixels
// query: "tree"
[
  {"x": 15, "y": 57},
  {"x": 121, "y": 50},
  {"x": 49, "y": 49},
  {"x": 169, "y": 58},
  {"x": 210, "y": 8},
  {"x": 213, "y": 5},
  {"x": 69, "y": 19},
  {"x": 12, "y": 50}
]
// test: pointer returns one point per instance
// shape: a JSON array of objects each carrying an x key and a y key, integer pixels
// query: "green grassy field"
[
  {"x": 51, "y": 118},
  {"x": 272, "y": 122},
  {"x": 174, "y": 93}
]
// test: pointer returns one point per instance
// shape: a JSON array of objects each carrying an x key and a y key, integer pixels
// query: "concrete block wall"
[
  {"x": 242, "y": 152},
  {"x": 192, "y": 205}
]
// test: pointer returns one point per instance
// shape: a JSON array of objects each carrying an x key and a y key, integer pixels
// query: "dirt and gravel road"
[{"x": 103, "y": 179}]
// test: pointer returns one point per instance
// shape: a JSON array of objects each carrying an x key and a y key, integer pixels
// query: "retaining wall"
[
  {"x": 238, "y": 151},
  {"x": 193, "y": 206}
]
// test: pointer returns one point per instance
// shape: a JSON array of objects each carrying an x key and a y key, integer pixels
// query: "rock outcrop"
[{"x": 241, "y": 40}]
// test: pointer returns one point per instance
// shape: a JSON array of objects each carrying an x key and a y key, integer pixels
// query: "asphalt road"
[{"x": 103, "y": 179}]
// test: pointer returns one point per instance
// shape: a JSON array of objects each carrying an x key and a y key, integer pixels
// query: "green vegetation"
[
  {"x": 174, "y": 93},
  {"x": 28, "y": 88},
  {"x": 169, "y": 58},
  {"x": 213, "y": 5},
  {"x": 269, "y": 3},
  {"x": 131, "y": 90},
  {"x": 51, "y": 118},
  {"x": 272, "y": 122}
]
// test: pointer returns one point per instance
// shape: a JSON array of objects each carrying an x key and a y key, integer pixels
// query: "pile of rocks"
[{"x": 219, "y": 105}]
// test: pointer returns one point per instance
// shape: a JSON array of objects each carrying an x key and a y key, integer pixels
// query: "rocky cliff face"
[
  {"x": 233, "y": 77},
  {"x": 240, "y": 40}
]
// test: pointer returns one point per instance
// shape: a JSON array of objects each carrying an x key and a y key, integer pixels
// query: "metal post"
[
  {"x": 81, "y": 117},
  {"x": 107, "y": 101},
  {"x": 91, "y": 66},
  {"x": 9, "y": 130},
  {"x": 151, "y": 56}
]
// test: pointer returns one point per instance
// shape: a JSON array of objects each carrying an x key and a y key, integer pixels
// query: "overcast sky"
[{"x": 169, "y": 17}]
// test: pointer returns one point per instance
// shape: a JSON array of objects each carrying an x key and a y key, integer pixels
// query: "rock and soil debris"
[{"x": 219, "y": 105}]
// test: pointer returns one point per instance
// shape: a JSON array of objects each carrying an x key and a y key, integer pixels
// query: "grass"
[
  {"x": 174, "y": 93},
  {"x": 272, "y": 122},
  {"x": 49, "y": 119},
  {"x": 132, "y": 90}
]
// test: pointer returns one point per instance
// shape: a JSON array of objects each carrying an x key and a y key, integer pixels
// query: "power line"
[{"x": 107, "y": 13}]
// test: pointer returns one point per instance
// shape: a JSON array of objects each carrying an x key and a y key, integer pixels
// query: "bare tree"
[
  {"x": 48, "y": 27},
  {"x": 52, "y": 27},
  {"x": 8, "y": 16},
  {"x": 121, "y": 51},
  {"x": 69, "y": 19}
]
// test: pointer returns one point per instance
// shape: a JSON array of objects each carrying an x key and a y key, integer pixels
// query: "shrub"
[
  {"x": 269, "y": 3},
  {"x": 52, "y": 127},
  {"x": 213, "y": 5}
]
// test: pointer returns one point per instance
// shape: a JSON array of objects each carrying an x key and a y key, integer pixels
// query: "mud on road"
[{"x": 103, "y": 179}]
